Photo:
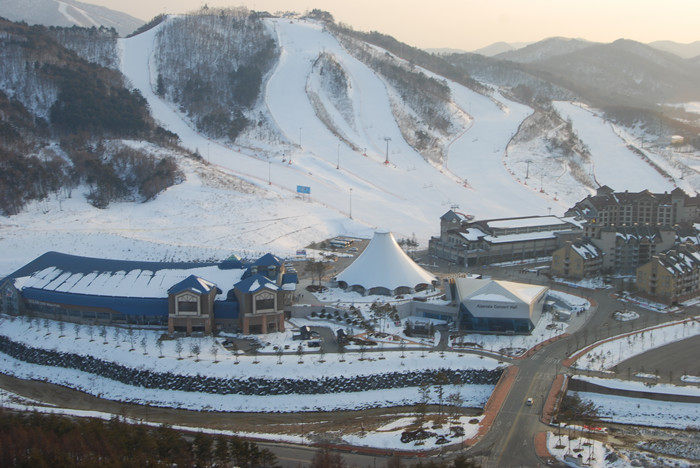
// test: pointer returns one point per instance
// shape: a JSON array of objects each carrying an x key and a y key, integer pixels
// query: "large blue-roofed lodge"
[{"x": 186, "y": 297}]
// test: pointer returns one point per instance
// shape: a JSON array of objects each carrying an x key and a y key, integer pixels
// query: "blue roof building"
[{"x": 184, "y": 296}]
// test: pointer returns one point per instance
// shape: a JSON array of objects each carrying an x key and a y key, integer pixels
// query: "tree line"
[
  {"x": 37, "y": 440},
  {"x": 111, "y": 172},
  {"x": 96, "y": 45}
]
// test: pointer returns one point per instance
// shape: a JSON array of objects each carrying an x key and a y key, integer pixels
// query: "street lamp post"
[
  {"x": 350, "y": 202},
  {"x": 338, "y": 164}
]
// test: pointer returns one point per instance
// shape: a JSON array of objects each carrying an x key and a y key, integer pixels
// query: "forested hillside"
[
  {"x": 212, "y": 64},
  {"x": 64, "y": 121},
  {"x": 96, "y": 45}
]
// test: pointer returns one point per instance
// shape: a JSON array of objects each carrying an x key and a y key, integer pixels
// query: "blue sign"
[{"x": 303, "y": 189}]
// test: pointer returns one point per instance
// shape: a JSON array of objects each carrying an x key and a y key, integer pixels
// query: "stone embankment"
[{"x": 242, "y": 386}]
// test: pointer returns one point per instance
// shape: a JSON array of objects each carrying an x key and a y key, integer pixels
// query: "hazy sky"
[{"x": 469, "y": 24}]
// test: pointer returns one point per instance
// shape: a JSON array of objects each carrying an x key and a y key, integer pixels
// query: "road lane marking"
[{"x": 515, "y": 423}]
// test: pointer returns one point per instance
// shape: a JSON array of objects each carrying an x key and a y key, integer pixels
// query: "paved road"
[{"x": 510, "y": 442}]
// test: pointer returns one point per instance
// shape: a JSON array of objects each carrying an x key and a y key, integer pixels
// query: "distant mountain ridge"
[
  {"x": 67, "y": 13},
  {"x": 622, "y": 73},
  {"x": 687, "y": 51},
  {"x": 500, "y": 48},
  {"x": 626, "y": 72},
  {"x": 544, "y": 50}
]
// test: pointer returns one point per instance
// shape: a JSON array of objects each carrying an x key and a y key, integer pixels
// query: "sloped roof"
[
  {"x": 684, "y": 260},
  {"x": 194, "y": 284},
  {"x": 290, "y": 281},
  {"x": 256, "y": 283},
  {"x": 383, "y": 264},
  {"x": 268, "y": 260},
  {"x": 637, "y": 233},
  {"x": 586, "y": 249},
  {"x": 491, "y": 290},
  {"x": 63, "y": 273}
]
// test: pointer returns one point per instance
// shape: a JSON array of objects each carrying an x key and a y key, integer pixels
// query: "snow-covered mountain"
[
  {"x": 333, "y": 150},
  {"x": 68, "y": 13}
]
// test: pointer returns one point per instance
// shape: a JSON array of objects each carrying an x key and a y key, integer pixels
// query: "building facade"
[
  {"x": 627, "y": 247},
  {"x": 472, "y": 243},
  {"x": 577, "y": 259},
  {"x": 609, "y": 208},
  {"x": 191, "y": 305},
  {"x": 671, "y": 277}
]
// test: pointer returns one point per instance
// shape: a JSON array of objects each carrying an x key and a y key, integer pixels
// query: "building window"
[
  {"x": 187, "y": 304},
  {"x": 264, "y": 302},
  {"x": 9, "y": 301}
]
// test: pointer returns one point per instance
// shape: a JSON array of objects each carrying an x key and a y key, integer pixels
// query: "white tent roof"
[{"x": 384, "y": 264}]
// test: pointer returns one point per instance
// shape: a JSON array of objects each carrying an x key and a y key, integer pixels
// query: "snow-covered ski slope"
[
  {"x": 613, "y": 162},
  {"x": 407, "y": 196}
]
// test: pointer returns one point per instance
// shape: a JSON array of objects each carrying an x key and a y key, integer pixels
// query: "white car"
[{"x": 529, "y": 402}]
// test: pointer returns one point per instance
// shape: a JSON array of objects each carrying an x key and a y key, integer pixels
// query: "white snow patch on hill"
[{"x": 352, "y": 191}]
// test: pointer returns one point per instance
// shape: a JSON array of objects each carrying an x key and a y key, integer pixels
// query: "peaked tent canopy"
[{"x": 384, "y": 267}]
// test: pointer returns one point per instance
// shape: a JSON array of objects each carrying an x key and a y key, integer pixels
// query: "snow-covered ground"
[
  {"x": 387, "y": 436},
  {"x": 625, "y": 315},
  {"x": 245, "y": 201},
  {"x": 590, "y": 452},
  {"x": 666, "y": 389},
  {"x": 582, "y": 451},
  {"x": 644, "y": 412},
  {"x": 140, "y": 350},
  {"x": 611, "y": 158},
  {"x": 605, "y": 355}
]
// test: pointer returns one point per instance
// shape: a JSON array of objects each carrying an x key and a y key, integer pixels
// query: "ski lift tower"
[{"x": 387, "y": 139}]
